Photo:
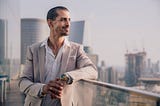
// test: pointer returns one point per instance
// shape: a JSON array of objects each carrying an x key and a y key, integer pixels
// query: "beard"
[
  {"x": 61, "y": 31},
  {"x": 65, "y": 31},
  {"x": 64, "y": 34}
]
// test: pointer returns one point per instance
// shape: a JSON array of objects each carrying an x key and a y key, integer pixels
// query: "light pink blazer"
[{"x": 74, "y": 62}]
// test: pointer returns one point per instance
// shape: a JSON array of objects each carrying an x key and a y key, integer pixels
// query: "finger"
[
  {"x": 55, "y": 91},
  {"x": 56, "y": 85},
  {"x": 55, "y": 94},
  {"x": 59, "y": 82},
  {"x": 57, "y": 79}
]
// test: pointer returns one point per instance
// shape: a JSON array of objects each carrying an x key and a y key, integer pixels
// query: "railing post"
[{"x": 158, "y": 103}]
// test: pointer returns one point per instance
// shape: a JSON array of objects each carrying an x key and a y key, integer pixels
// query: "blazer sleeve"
[
  {"x": 85, "y": 69},
  {"x": 26, "y": 82}
]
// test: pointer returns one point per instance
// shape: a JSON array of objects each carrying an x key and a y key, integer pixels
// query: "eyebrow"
[{"x": 64, "y": 18}]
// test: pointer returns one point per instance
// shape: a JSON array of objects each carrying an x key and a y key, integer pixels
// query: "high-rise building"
[
  {"x": 10, "y": 37},
  {"x": 135, "y": 66},
  {"x": 32, "y": 30},
  {"x": 155, "y": 67},
  {"x": 77, "y": 31},
  {"x": 112, "y": 75},
  {"x": 2, "y": 41},
  {"x": 77, "y": 34},
  {"x": 102, "y": 72}
]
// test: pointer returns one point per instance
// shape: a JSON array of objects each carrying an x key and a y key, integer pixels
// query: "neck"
[{"x": 55, "y": 43}]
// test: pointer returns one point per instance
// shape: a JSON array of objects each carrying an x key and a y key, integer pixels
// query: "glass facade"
[{"x": 10, "y": 38}]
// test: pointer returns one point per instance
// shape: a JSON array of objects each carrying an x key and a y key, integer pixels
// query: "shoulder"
[
  {"x": 75, "y": 45},
  {"x": 35, "y": 46}
]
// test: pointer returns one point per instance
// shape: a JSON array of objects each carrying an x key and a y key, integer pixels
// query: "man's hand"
[{"x": 54, "y": 88}]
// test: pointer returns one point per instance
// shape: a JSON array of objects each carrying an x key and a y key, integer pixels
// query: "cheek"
[{"x": 57, "y": 29}]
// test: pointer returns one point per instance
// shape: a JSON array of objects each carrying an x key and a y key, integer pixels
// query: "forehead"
[{"x": 63, "y": 13}]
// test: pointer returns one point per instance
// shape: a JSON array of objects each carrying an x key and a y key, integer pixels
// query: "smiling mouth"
[{"x": 66, "y": 29}]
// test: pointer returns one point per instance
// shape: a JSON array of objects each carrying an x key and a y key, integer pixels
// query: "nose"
[{"x": 68, "y": 22}]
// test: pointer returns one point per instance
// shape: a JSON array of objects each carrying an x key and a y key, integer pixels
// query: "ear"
[{"x": 50, "y": 24}]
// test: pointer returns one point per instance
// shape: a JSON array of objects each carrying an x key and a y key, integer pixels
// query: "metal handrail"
[{"x": 129, "y": 90}]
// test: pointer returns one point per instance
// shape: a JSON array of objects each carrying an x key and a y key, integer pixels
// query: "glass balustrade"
[{"x": 94, "y": 93}]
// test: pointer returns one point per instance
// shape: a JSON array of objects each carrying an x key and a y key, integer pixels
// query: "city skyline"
[
  {"x": 102, "y": 32},
  {"x": 112, "y": 27}
]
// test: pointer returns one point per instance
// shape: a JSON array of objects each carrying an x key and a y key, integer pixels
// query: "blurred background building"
[
  {"x": 9, "y": 29},
  {"x": 135, "y": 66},
  {"x": 107, "y": 74},
  {"x": 77, "y": 31},
  {"x": 2, "y": 41},
  {"x": 32, "y": 30},
  {"x": 9, "y": 52}
]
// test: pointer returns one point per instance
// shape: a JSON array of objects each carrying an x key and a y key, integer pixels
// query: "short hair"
[{"x": 52, "y": 13}]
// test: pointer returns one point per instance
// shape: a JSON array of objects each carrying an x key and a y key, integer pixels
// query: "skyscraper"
[
  {"x": 77, "y": 34},
  {"x": 2, "y": 41},
  {"x": 77, "y": 31},
  {"x": 32, "y": 30},
  {"x": 135, "y": 65},
  {"x": 112, "y": 75},
  {"x": 10, "y": 37}
]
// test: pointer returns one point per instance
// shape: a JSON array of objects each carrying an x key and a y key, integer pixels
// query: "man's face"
[{"x": 61, "y": 24}]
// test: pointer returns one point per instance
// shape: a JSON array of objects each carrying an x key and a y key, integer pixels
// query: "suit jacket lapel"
[
  {"x": 64, "y": 59},
  {"x": 41, "y": 56}
]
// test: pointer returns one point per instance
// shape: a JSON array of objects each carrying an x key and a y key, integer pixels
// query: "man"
[{"x": 54, "y": 66}]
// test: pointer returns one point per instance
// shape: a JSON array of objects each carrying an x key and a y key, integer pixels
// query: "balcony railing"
[{"x": 95, "y": 93}]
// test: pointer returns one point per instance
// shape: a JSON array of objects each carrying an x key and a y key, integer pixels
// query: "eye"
[
  {"x": 62, "y": 19},
  {"x": 65, "y": 19}
]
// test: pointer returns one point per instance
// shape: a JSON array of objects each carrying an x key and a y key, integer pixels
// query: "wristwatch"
[{"x": 66, "y": 78}]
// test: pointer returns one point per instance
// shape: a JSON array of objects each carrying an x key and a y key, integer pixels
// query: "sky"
[{"x": 112, "y": 26}]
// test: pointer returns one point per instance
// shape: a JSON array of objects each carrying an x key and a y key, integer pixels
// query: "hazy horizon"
[{"x": 112, "y": 26}]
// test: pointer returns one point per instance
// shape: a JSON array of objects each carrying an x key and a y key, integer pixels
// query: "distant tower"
[
  {"x": 10, "y": 37},
  {"x": 102, "y": 72},
  {"x": 149, "y": 65},
  {"x": 112, "y": 75},
  {"x": 157, "y": 66},
  {"x": 135, "y": 66},
  {"x": 32, "y": 30},
  {"x": 77, "y": 31},
  {"x": 77, "y": 34},
  {"x": 140, "y": 63},
  {"x": 2, "y": 41}
]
